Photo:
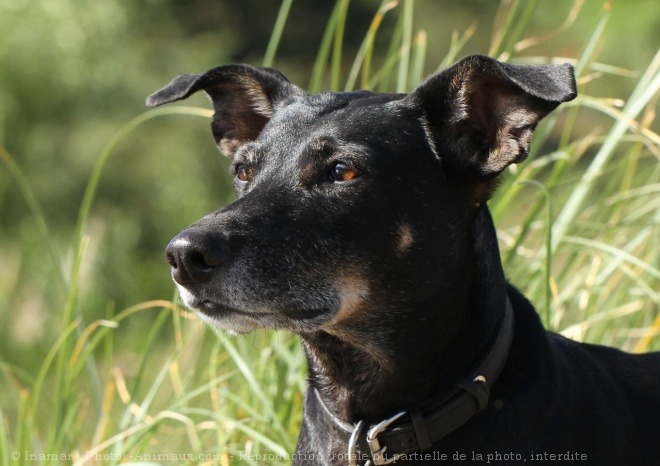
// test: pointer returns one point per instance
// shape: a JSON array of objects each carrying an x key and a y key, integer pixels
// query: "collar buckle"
[{"x": 378, "y": 451}]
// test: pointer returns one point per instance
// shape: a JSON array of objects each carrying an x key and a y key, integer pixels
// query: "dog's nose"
[{"x": 194, "y": 255}]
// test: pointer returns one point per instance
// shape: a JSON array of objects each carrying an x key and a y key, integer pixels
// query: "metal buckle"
[
  {"x": 352, "y": 443},
  {"x": 378, "y": 452}
]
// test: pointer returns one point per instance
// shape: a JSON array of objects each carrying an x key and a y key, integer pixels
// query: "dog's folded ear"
[
  {"x": 481, "y": 112},
  {"x": 244, "y": 98}
]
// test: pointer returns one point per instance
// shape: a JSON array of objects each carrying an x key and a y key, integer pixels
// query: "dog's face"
[
  {"x": 348, "y": 203},
  {"x": 332, "y": 210}
]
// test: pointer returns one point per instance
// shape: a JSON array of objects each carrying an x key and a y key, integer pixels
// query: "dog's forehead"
[{"x": 350, "y": 117}]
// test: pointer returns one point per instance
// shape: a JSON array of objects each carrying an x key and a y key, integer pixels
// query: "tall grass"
[{"x": 579, "y": 230}]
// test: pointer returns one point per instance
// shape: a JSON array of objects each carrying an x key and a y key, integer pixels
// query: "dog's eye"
[
  {"x": 341, "y": 171},
  {"x": 243, "y": 173}
]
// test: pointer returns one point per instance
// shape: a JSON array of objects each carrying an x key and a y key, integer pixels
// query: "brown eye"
[
  {"x": 242, "y": 173},
  {"x": 343, "y": 172}
]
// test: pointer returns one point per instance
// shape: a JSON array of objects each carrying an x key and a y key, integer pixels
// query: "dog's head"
[{"x": 350, "y": 202}]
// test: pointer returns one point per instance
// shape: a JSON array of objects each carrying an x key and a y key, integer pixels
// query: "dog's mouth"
[
  {"x": 213, "y": 309},
  {"x": 222, "y": 316},
  {"x": 218, "y": 310},
  {"x": 237, "y": 320},
  {"x": 221, "y": 312}
]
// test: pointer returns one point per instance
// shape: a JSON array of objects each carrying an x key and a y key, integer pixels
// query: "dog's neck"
[{"x": 379, "y": 367}]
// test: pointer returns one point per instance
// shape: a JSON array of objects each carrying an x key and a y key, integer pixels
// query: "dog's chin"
[
  {"x": 220, "y": 316},
  {"x": 238, "y": 321},
  {"x": 228, "y": 320}
]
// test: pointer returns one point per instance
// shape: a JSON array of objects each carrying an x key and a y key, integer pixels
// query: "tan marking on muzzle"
[
  {"x": 348, "y": 323},
  {"x": 353, "y": 291}
]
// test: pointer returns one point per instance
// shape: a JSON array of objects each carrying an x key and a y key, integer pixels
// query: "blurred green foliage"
[{"x": 72, "y": 73}]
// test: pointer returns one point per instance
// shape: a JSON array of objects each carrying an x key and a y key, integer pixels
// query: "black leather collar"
[{"x": 418, "y": 429}]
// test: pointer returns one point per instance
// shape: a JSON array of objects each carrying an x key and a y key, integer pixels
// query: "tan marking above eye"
[{"x": 405, "y": 238}]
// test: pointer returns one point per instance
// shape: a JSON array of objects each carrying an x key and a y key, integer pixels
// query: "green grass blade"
[
  {"x": 324, "y": 51},
  {"x": 35, "y": 207},
  {"x": 4, "y": 439},
  {"x": 548, "y": 250},
  {"x": 201, "y": 390},
  {"x": 139, "y": 415},
  {"x": 68, "y": 428},
  {"x": 148, "y": 344},
  {"x": 584, "y": 186},
  {"x": 364, "y": 55},
  {"x": 560, "y": 165},
  {"x": 24, "y": 423},
  {"x": 276, "y": 35},
  {"x": 60, "y": 392},
  {"x": 95, "y": 177},
  {"x": 255, "y": 387},
  {"x": 565, "y": 26},
  {"x": 368, "y": 59},
  {"x": 392, "y": 56},
  {"x": 588, "y": 54},
  {"x": 55, "y": 350},
  {"x": 266, "y": 440},
  {"x": 406, "y": 46},
  {"x": 518, "y": 28},
  {"x": 503, "y": 20},
  {"x": 381, "y": 77},
  {"x": 338, "y": 46},
  {"x": 418, "y": 58},
  {"x": 618, "y": 261},
  {"x": 652, "y": 333},
  {"x": 616, "y": 252},
  {"x": 103, "y": 330},
  {"x": 456, "y": 45}
]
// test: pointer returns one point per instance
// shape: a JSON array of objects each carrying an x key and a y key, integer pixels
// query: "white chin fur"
[
  {"x": 232, "y": 324},
  {"x": 186, "y": 296}
]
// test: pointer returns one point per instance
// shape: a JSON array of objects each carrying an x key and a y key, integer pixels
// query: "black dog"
[{"x": 361, "y": 225}]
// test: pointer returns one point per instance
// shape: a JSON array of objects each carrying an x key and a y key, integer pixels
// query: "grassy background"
[{"x": 96, "y": 357}]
